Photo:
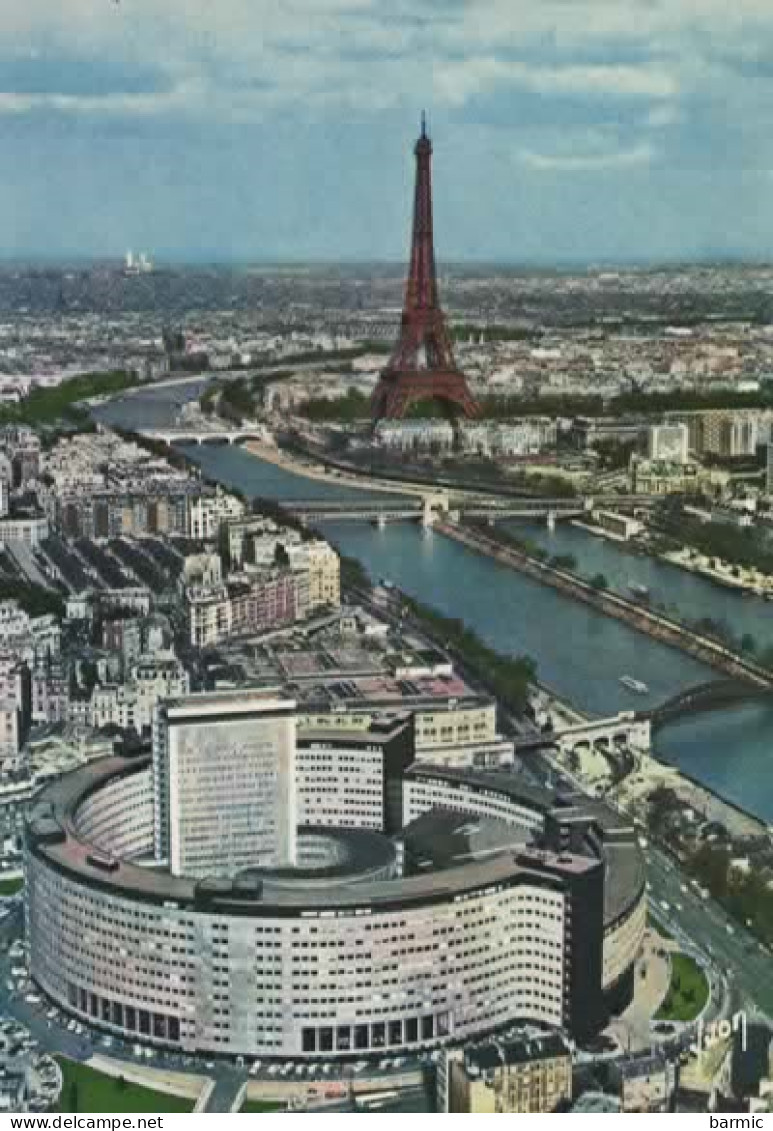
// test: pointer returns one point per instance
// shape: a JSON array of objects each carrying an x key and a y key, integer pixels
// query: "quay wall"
[{"x": 644, "y": 620}]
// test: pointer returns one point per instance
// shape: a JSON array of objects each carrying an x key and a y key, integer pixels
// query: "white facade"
[
  {"x": 323, "y": 566},
  {"x": 446, "y": 726},
  {"x": 621, "y": 526},
  {"x": 302, "y": 986},
  {"x": 209, "y": 615},
  {"x": 668, "y": 443},
  {"x": 528, "y": 437},
  {"x": 739, "y": 437},
  {"x": 29, "y": 638},
  {"x": 30, "y": 531},
  {"x": 127, "y": 705},
  {"x": 461, "y": 734},
  {"x": 206, "y": 514},
  {"x": 202, "y": 570},
  {"x": 10, "y": 738},
  {"x": 411, "y": 435},
  {"x": 425, "y": 792},
  {"x": 224, "y": 768}
]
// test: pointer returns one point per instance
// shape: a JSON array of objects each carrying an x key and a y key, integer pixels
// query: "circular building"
[{"x": 494, "y": 902}]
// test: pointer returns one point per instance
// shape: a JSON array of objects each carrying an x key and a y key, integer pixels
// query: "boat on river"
[{"x": 634, "y": 684}]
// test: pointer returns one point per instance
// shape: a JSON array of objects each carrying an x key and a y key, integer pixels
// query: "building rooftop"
[
  {"x": 52, "y": 831},
  {"x": 612, "y": 836},
  {"x": 642, "y": 1066},
  {"x": 493, "y": 781},
  {"x": 441, "y": 839},
  {"x": 240, "y": 701},
  {"x": 496, "y": 1054},
  {"x": 379, "y": 729}
]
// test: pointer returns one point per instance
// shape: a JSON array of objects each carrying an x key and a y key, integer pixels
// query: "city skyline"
[{"x": 563, "y": 133}]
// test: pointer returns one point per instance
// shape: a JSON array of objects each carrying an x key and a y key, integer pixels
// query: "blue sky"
[{"x": 262, "y": 129}]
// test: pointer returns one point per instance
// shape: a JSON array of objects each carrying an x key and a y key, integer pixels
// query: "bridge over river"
[
  {"x": 382, "y": 511},
  {"x": 198, "y": 435},
  {"x": 714, "y": 695},
  {"x": 634, "y": 728},
  {"x": 466, "y": 504}
]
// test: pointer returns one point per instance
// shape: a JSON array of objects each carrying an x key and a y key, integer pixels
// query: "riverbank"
[
  {"x": 598, "y": 531},
  {"x": 429, "y": 480},
  {"x": 641, "y": 618},
  {"x": 591, "y": 768},
  {"x": 317, "y": 468},
  {"x": 651, "y": 775},
  {"x": 580, "y": 653},
  {"x": 743, "y": 581},
  {"x": 320, "y": 468},
  {"x": 596, "y": 770},
  {"x": 318, "y": 472}
]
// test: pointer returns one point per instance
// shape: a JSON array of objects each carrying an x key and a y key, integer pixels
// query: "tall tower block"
[{"x": 422, "y": 365}]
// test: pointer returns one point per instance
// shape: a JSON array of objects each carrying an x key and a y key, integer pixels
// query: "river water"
[
  {"x": 579, "y": 652},
  {"x": 682, "y": 594},
  {"x": 582, "y": 653},
  {"x": 230, "y": 465}
]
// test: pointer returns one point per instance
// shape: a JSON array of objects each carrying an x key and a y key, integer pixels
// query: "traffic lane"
[
  {"x": 687, "y": 905},
  {"x": 736, "y": 953},
  {"x": 51, "y": 1038}
]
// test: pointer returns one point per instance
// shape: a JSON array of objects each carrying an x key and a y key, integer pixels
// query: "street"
[{"x": 733, "y": 950}]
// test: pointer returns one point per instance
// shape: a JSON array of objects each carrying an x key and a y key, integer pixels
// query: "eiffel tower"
[{"x": 422, "y": 365}]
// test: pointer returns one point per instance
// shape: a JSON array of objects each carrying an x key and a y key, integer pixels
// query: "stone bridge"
[
  {"x": 204, "y": 436},
  {"x": 627, "y": 729}
]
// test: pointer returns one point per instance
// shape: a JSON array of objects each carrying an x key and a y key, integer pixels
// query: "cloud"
[
  {"x": 37, "y": 76},
  {"x": 456, "y": 81},
  {"x": 354, "y": 50},
  {"x": 591, "y": 162},
  {"x": 249, "y": 58},
  {"x": 298, "y": 91}
]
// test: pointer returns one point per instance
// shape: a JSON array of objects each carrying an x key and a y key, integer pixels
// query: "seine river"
[{"x": 579, "y": 652}]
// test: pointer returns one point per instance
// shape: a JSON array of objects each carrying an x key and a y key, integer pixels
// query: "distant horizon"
[{"x": 162, "y": 261}]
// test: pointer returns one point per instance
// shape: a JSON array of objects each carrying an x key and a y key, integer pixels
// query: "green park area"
[
  {"x": 86, "y": 1090},
  {"x": 49, "y": 405},
  {"x": 688, "y": 993},
  {"x": 12, "y": 885},
  {"x": 254, "y": 1107}
]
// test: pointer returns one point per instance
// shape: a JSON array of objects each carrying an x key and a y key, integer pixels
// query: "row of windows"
[
  {"x": 141, "y": 1021},
  {"x": 381, "y": 1034}
]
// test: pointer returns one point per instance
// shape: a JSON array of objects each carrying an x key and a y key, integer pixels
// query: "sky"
[{"x": 254, "y": 130}]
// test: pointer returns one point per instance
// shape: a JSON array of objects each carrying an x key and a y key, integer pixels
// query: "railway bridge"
[{"x": 713, "y": 695}]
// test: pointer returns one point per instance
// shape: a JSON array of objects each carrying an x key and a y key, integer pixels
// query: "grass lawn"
[
  {"x": 688, "y": 993},
  {"x": 86, "y": 1090},
  {"x": 252, "y": 1107},
  {"x": 11, "y": 887}
]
